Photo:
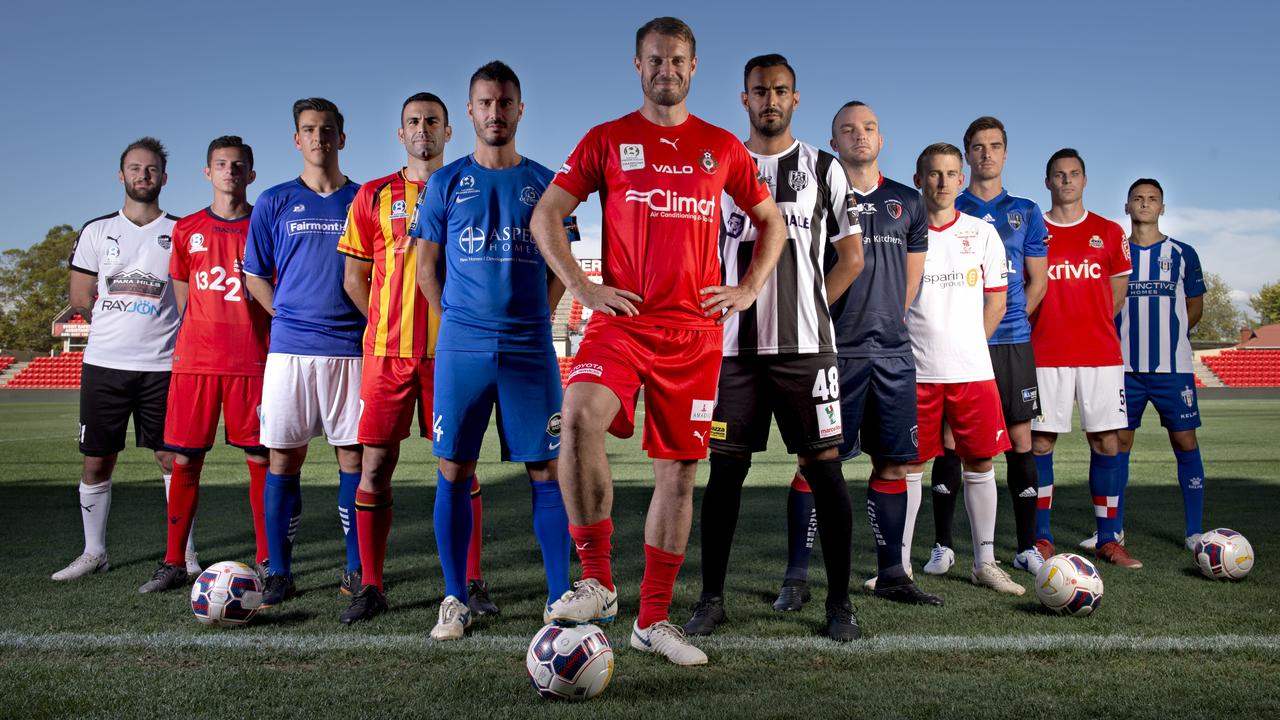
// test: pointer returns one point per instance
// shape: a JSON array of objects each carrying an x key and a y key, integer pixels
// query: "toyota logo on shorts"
[{"x": 471, "y": 240}]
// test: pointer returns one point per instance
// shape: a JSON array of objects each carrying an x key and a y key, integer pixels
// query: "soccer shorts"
[
  {"x": 1015, "y": 368},
  {"x": 801, "y": 391},
  {"x": 679, "y": 369},
  {"x": 878, "y": 405},
  {"x": 109, "y": 397},
  {"x": 391, "y": 388},
  {"x": 306, "y": 396},
  {"x": 1173, "y": 394},
  {"x": 970, "y": 409},
  {"x": 195, "y": 400},
  {"x": 525, "y": 387},
  {"x": 1098, "y": 390}
]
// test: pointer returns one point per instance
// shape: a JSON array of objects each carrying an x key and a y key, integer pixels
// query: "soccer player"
[
  {"x": 1165, "y": 300},
  {"x": 779, "y": 354},
  {"x": 1021, "y": 227},
  {"x": 311, "y": 382},
  {"x": 123, "y": 259},
  {"x": 495, "y": 345},
  {"x": 960, "y": 303},
  {"x": 220, "y": 353},
  {"x": 661, "y": 172},
  {"x": 1078, "y": 353}
]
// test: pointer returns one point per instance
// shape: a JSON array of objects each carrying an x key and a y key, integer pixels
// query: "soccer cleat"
[
  {"x": 842, "y": 622},
  {"x": 988, "y": 574},
  {"x": 166, "y": 577},
  {"x": 86, "y": 564},
  {"x": 454, "y": 619},
  {"x": 547, "y": 610},
  {"x": 870, "y": 584},
  {"x": 908, "y": 593},
  {"x": 668, "y": 640},
  {"x": 1192, "y": 540},
  {"x": 590, "y": 602},
  {"x": 708, "y": 614},
  {"x": 1117, "y": 554},
  {"x": 1091, "y": 542},
  {"x": 792, "y": 596},
  {"x": 1030, "y": 560},
  {"x": 1046, "y": 548},
  {"x": 478, "y": 601},
  {"x": 263, "y": 569},
  {"x": 365, "y": 605},
  {"x": 941, "y": 558},
  {"x": 350, "y": 582},
  {"x": 278, "y": 589},
  {"x": 193, "y": 563}
]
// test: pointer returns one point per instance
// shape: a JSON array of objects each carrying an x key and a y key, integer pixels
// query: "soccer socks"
[
  {"x": 657, "y": 585},
  {"x": 551, "y": 527},
  {"x": 282, "y": 508},
  {"x": 1044, "y": 496},
  {"x": 945, "y": 482},
  {"x": 1191, "y": 479},
  {"x": 909, "y": 520},
  {"x": 720, "y": 504},
  {"x": 1104, "y": 486},
  {"x": 1122, "y": 481},
  {"x": 347, "y": 484},
  {"x": 802, "y": 527},
  {"x": 1022, "y": 480},
  {"x": 594, "y": 543},
  {"x": 257, "y": 487},
  {"x": 886, "y": 510},
  {"x": 453, "y": 532},
  {"x": 980, "y": 504},
  {"x": 95, "y": 506},
  {"x": 373, "y": 525},
  {"x": 477, "y": 531},
  {"x": 835, "y": 523},
  {"x": 191, "y": 537},
  {"x": 183, "y": 489}
]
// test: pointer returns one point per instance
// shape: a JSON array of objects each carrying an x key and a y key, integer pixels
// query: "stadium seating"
[
  {"x": 565, "y": 364},
  {"x": 1246, "y": 367},
  {"x": 59, "y": 372},
  {"x": 6, "y": 361}
]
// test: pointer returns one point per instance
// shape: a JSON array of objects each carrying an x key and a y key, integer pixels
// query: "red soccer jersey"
[
  {"x": 660, "y": 188},
  {"x": 1075, "y": 323},
  {"x": 224, "y": 331}
]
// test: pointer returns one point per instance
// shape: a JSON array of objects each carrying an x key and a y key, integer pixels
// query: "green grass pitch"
[{"x": 1166, "y": 643}]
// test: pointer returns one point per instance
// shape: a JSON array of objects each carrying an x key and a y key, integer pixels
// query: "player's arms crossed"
[
  {"x": 547, "y": 225},
  {"x": 848, "y": 267},
  {"x": 260, "y": 289},
  {"x": 915, "y": 274},
  {"x": 81, "y": 292},
  {"x": 1119, "y": 289},
  {"x": 429, "y": 272},
  {"x": 357, "y": 283},
  {"x": 725, "y": 300},
  {"x": 993, "y": 306},
  {"x": 1195, "y": 309},
  {"x": 180, "y": 289}
]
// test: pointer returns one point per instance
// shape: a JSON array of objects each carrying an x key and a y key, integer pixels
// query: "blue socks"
[
  {"x": 452, "y": 520},
  {"x": 348, "y": 483},
  {"x": 1122, "y": 477},
  {"x": 282, "y": 508},
  {"x": 1191, "y": 479},
  {"x": 551, "y": 527},
  {"x": 1044, "y": 504},
  {"x": 1104, "y": 486},
  {"x": 802, "y": 527}
]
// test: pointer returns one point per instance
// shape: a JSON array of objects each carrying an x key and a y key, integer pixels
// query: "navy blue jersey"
[
  {"x": 1021, "y": 227},
  {"x": 870, "y": 318}
]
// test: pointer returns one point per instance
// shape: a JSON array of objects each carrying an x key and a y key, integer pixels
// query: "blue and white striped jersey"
[{"x": 1153, "y": 323}]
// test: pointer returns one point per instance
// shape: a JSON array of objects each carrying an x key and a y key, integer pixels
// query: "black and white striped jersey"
[{"x": 791, "y": 314}]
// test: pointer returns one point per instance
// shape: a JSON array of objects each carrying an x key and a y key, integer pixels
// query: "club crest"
[
  {"x": 1015, "y": 220},
  {"x": 798, "y": 180},
  {"x": 708, "y": 163},
  {"x": 894, "y": 208}
]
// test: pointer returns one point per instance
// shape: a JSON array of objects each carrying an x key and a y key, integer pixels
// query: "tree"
[
  {"x": 33, "y": 288},
  {"x": 1267, "y": 304},
  {"x": 1221, "y": 320}
]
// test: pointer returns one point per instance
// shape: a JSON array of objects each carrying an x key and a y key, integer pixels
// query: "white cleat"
[
  {"x": 86, "y": 564},
  {"x": 870, "y": 584},
  {"x": 1191, "y": 541},
  {"x": 546, "y": 611},
  {"x": 663, "y": 638},
  {"x": 1091, "y": 543},
  {"x": 990, "y": 575},
  {"x": 454, "y": 619},
  {"x": 1029, "y": 560},
  {"x": 590, "y": 602},
  {"x": 941, "y": 558},
  {"x": 193, "y": 564}
]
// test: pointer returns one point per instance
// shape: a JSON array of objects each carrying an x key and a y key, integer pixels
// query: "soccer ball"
[
  {"x": 569, "y": 663},
  {"x": 1223, "y": 554},
  {"x": 226, "y": 593},
  {"x": 1069, "y": 585}
]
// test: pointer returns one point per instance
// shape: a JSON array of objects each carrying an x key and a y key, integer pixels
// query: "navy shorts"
[
  {"x": 878, "y": 407},
  {"x": 525, "y": 388},
  {"x": 1173, "y": 394}
]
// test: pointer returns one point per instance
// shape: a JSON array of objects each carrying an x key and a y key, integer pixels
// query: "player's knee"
[
  {"x": 979, "y": 465},
  {"x": 1184, "y": 440},
  {"x": 1042, "y": 443}
]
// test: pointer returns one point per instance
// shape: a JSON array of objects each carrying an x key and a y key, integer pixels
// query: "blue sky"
[{"x": 1171, "y": 90}]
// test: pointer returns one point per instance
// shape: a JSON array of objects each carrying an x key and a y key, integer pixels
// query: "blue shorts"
[
  {"x": 525, "y": 387},
  {"x": 1173, "y": 394},
  {"x": 878, "y": 405}
]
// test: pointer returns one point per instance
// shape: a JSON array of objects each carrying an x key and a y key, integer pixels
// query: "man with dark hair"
[
  {"x": 311, "y": 381},
  {"x": 235, "y": 142},
  {"x": 661, "y": 173},
  {"x": 120, "y": 283},
  {"x": 780, "y": 355}
]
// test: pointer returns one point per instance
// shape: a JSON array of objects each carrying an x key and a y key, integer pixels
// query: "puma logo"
[
  {"x": 672, "y": 143},
  {"x": 701, "y": 437},
  {"x": 581, "y": 547},
  {"x": 998, "y": 434}
]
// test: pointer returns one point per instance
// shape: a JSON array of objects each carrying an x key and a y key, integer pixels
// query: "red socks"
[
  {"x": 373, "y": 525},
  {"x": 184, "y": 493},
  {"x": 257, "y": 502},
  {"x": 658, "y": 584},
  {"x": 594, "y": 543},
  {"x": 477, "y": 531}
]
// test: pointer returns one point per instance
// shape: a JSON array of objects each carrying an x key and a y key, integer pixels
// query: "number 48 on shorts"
[{"x": 826, "y": 389}]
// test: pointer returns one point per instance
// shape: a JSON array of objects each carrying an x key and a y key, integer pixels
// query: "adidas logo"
[
  {"x": 1029, "y": 493},
  {"x": 988, "y": 218},
  {"x": 941, "y": 489}
]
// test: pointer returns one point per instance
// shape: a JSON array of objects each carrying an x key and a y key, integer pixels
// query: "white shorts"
[
  {"x": 1098, "y": 390},
  {"x": 305, "y": 397}
]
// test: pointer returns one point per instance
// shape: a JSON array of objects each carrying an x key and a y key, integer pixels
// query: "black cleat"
[
  {"x": 906, "y": 592},
  {"x": 166, "y": 577},
  {"x": 792, "y": 597},
  {"x": 708, "y": 614},
  {"x": 842, "y": 622},
  {"x": 350, "y": 582},
  {"x": 478, "y": 601},
  {"x": 279, "y": 588},
  {"x": 263, "y": 569},
  {"x": 365, "y": 605}
]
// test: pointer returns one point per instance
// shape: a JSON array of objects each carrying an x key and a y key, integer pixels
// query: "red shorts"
[
  {"x": 390, "y": 389},
  {"x": 191, "y": 420},
  {"x": 972, "y": 411},
  {"x": 679, "y": 369}
]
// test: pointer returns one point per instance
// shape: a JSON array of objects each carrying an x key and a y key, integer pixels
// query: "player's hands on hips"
[
  {"x": 609, "y": 300},
  {"x": 725, "y": 300}
]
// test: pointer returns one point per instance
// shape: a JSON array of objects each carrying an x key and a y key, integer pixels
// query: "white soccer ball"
[
  {"x": 1223, "y": 554},
  {"x": 226, "y": 593},
  {"x": 569, "y": 663},
  {"x": 1069, "y": 585}
]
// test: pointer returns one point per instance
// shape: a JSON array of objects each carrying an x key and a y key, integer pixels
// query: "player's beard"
[
  {"x": 668, "y": 95},
  {"x": 773, "y": 126},
  {"x": 142, "y": 196}
]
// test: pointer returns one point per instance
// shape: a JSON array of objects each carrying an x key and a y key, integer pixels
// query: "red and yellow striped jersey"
[{"x": 377, "y": 231}]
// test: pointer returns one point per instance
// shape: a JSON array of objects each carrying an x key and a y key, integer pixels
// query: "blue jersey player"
[{"x": 494, "y": 345}]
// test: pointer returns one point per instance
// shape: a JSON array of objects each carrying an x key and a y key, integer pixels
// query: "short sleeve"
[
  {"x": 1193, "y": 279},
  {"x": 259, "y": 245},
  {"x": 583, "y": 172},
  {"x": 1033, "y": 244},
  {"x": 995, "y": 268},
  {"x": 743, "y": 183},
  {"x": 179, "y": 258},
  {"x": 1119, "y": 255},
  {"x": 429, "y": 221},
  {"x": 918, "y": 233},
  {"x": 839, "y": 199},
  {"x": 84, "y": 256},
  {"x": 356, "y": 233}
]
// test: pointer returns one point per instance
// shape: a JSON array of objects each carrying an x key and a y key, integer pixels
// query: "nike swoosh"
[
  {"x": 582, "y": 547},
  {"x": 643, "y": 640},
  {"x": 468, "y": 197},
  {"x": 555, "y": 445}
]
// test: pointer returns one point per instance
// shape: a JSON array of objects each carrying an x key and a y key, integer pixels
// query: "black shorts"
[
  {"x": 879, "y": 407},
  {"x": 1015, "y": 367},
  {"x": 801, "y": 391},
  {"x": 109, "y": 397}
]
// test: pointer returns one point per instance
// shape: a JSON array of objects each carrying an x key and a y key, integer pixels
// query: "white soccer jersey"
[
  {"x": 791, "y": 314},
  {"x": 965, "y": 261},
  {"x": 135, "y": 318}
]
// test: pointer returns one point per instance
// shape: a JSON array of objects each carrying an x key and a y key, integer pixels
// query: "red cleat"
[
  {"x": 1117, "y": 554},
  {"x": 1046, "y": 548}
]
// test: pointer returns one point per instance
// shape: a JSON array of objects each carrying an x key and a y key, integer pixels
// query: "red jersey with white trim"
[
  {"x": 223, "y": 331},
  {"x": 1075, "y": 323},
  {"x": 660, "y": 190}
]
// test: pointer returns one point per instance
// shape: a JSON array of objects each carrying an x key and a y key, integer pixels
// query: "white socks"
[
  {"x": 909, "y": 524},
  {"x": 980, "y": 504},
  {"x": 95, "y": 506},
  {"x": 191, "y": 536}
]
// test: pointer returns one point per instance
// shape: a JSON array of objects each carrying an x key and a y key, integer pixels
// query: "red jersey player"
[
  {"x": 661, "y": 173},
  {"x": 220, "y": 353}
]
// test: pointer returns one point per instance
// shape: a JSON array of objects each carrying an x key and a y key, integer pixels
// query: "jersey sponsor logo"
[
  {"x": 471, "y": 240},
  {"x": 952, "y": 279},
  {"x": 971, "y": 277},
  {"x": 1015, "y": 219},
  {"x": 1124, "y": 247},
  {"x": 673, "y": 169},
  {"x": 719, "y": 430},
  {"x": 1009, "y": 269},
  {"x": 136, "y": 307},
  {"x": 708, "y": 162},
  {"x": 671, "y": 204},
  {"x": 1095, "y": 242},
  {"x": 737, "y": 222},
  {"x": 798, "y": 180},
  {"x": 529, "y": 196},
  {"x": 672, "y": 143},
  {"x": 164, "y": 241},
  {"x": 565, "y": 169},
  {"x": 631, "y": 156},
  {"x": 593, "y": 369},
  {"x": 796, "y": 221},
  {"x": 829, "y": 423},
  {"x": 500, "y": 243},
  {"x": 1030, "y": 394},
  {"x": 1152, "y": 288},
  {"x": 313, "y": 225},
  {"x": 1075, "y": 271},
  {"x": 398, "y": 210},
  {"x": 893, "y": 207},
  {"x": 197, "y": 244},
  {"x": 701, "y": 410},
  {"x": 136, "y": 282}
]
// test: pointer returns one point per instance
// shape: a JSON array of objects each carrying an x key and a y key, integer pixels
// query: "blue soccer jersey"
[
  {"x": 495, "y": 289},
  {"x": 1021, "y": 227},
  {"x": 292, "y": 235},
  {"x": 1153, "y": 321}
]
